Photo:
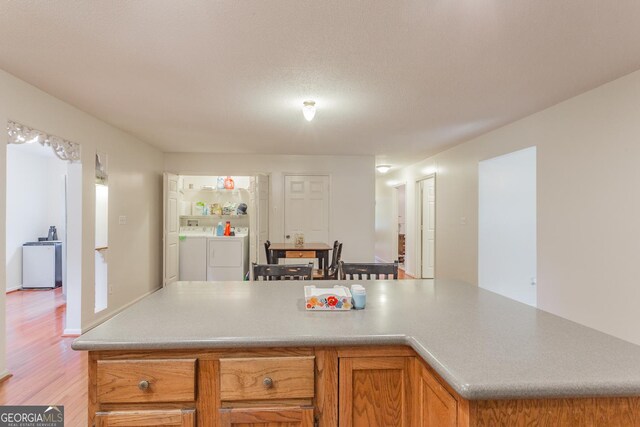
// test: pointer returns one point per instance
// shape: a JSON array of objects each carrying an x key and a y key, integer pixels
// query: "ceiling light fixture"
[
  {"x": 309, "y": 110},
  {"x": 383, "y": 168}
]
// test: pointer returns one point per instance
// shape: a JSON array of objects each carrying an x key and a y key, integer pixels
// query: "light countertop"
[{"x": 484, "y": 345}]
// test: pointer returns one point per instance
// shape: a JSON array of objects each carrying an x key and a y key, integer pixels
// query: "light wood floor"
[
  {"x": 403, "y": 275},
  {"x": 45, "y": 369}
]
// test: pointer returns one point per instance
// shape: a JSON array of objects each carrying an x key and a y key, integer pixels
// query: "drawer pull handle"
[
  {"x": 143, "y": 385},
  {"x": 268, "y": 382}
]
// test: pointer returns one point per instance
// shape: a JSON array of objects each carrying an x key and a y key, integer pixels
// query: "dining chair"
[
  {"x": 318, "y": 274},
  {"x": 368, "y": 271},
  {"x": 262, "y": 272},
  {"x": 267, "y": 245}
]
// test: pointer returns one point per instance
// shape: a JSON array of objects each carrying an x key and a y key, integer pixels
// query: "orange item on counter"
[{"x": 227, "y": 229}]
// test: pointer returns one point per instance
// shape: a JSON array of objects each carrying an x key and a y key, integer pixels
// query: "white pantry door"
[
  {"x": 428, "y": 227},
  {"x": 306, "y": 208},
  {"x": 170, "y": 236}
]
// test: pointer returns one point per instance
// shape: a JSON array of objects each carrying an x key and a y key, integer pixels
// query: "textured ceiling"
[{"x": 398, "y": 79}]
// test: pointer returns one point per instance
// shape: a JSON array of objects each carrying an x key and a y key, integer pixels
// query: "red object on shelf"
[
  {"x": 227, "y": 229},
  {"x": 228, "y": 183}
]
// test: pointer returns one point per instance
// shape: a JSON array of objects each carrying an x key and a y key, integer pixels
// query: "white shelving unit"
[{"x": 214, "y": 216}]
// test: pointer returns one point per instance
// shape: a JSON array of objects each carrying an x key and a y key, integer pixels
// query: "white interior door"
[
  {"x": 306, "y": 208},
  {"x": 507, "y": 225},
  {"x": 427, "y": 227},
  {"x": 259, "y": 219},
  {"x": 171, "y": 229},
  {"x": 262, "y": 213}
]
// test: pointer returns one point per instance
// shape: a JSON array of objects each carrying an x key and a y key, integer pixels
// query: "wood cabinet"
[
  {"x": 147, "y": 418},
  {"x": 383, "y": 386},
  {"x": 375, "y": 391},
  {"x": 436, "y": 406}
]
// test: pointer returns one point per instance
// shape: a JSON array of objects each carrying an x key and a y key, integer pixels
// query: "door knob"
[{"x": 288, "y": 236}]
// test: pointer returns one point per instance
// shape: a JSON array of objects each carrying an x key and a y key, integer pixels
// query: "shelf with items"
[
  {"x": 211, "y": 190},
  {"x": 213, "y": 216}
]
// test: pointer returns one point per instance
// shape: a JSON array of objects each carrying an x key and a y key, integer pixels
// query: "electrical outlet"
[
  {"x": 122, "y": 219},
  {"x": 463, "y": 220},
  {"x": 110, "y": 289}
]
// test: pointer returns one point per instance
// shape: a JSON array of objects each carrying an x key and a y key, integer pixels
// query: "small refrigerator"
[{"x": 42, "y": 264}]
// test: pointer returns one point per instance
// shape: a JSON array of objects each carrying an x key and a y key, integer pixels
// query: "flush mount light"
[
  {"x": 309, "y": 110},
  {"x": 383, "y": 168}
]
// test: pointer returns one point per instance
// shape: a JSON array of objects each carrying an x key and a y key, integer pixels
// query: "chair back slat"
[
  {"x": 267, "y": 245},
  {"x": 368, "y": 271},
  {"x": 334, "y": 256},
  {"x": 282, "y": 272}
]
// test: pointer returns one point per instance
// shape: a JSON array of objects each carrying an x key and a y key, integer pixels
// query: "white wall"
[
  {"x": 35, "y": 200},
  {"x": 135, "y": 183},
  {"x": 101, "y": 241},
  {"x": 352, "y": 190},
  {"x": 587, "y": 210},
  {"x": 3, "y": 266}
]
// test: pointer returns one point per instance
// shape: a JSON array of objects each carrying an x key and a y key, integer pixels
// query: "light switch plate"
[{"x": 122, "y": 219}]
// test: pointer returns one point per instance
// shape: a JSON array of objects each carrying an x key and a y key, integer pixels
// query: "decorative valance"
[{"x": 63, "y": 149}]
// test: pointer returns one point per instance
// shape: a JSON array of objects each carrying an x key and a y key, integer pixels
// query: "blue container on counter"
[{"x": 359, "y": 295}]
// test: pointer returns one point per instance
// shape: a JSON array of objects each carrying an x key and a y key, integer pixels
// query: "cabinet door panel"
[
  {"x": 375, "y": 391},
  {"x": 156, "y": 418},
  {"x": 267, "y": 417},
  {"x": 438, "y": 407}
]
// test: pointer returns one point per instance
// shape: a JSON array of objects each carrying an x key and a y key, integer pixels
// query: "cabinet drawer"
[
  {"x": 267, "y": 378},
  {"x": 300, "y": 254},
  {"x": 272, "y": 417},
  {"x": 139, "y": 381},
  {"x": 150, "y": 418}
]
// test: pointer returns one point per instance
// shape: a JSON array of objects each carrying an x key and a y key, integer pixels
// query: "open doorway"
[
  {"x": 214, "y": 226},
  {"x": 507, "y": 259},
  {"x": 399, "y": 236},
  {"x": 426, "y": 227},
  {"x": 43, "y": 223}
]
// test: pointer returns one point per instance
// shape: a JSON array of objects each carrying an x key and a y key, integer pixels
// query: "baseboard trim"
[
  {"x": 110, "y": 315},
  {"x": 71, "y": 332},
  {"x": 5, "y": 375},
  {"x": 378, "y": 259},
  {"x": 14, "y": 289}
]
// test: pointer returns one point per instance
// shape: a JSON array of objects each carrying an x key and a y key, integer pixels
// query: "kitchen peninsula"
[{"x": 423, "y": 353}]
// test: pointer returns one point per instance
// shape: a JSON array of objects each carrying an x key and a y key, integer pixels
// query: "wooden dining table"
[{"x": 319, "y": 251}]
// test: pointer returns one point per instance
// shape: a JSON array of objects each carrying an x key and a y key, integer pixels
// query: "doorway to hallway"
[
  {"x": 426, "y": 227},
  {"x": 400, "y": 213}
]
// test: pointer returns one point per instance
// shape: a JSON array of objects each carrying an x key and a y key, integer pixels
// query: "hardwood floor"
[
  {"x": 402, "y": 275},
  {"x": 45, "y": 369}
]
